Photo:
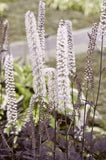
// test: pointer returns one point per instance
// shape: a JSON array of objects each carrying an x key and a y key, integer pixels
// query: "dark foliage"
[{"x": 94, "y": 149}]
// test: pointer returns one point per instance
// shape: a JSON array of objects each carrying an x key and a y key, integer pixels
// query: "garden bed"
[{"x": 51, "y": 113}]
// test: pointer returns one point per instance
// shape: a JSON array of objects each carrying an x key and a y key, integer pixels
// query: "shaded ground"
[{"x": 17, "y": 10}]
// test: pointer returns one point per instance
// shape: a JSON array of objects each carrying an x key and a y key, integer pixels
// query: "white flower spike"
[
  {"x": 41, "y": 28},
  {"x": 10, "y": 91},
  {"x": 36, "y": 54},
  {"x": 71, "y": 53},
  {"x": 63, "y": 83}
]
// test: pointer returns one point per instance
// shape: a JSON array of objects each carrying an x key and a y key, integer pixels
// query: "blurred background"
[{"x": 82, "y": 13}]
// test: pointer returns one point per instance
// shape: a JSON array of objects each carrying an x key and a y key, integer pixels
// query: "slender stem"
[
  {"x": 72, "y": 96},
  {"x": 1, "y": 77},
  {"x": 12, "y": 156},
  {"x": 55, "y": 116},
  {"x": 84, "y": 121},
  {"x": 2, "y": 135},
  {"x": 39, "y": 145},
  {"x": 45, "y": 125},
  {"x": 12, "y": 147},
  {"x": 66, "y": 133},
  {"x": 39, "y": 142},
  {"x": 39, "y": 132},
  {"x": 33, "y": 136},
  {"x": 1, "y": 46},
  {"x": 98, "y": 92}
]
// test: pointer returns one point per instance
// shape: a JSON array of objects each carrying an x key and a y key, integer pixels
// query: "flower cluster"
[
  {"x": 36, "y": 51},
  {"x": 92, "y": 38},
  {"x": 1, "y": 22},
  {"x": 6, "y": 36},
  {"x": 102, "y": 25},
  {"x": 71, "y": 53},
  {"x": 63, "y": 83},
  {"x": 103, "y": 18},
  {"x": 41, "y": 29},
  {"x": 50, "y": 73},
  {"x": 89, "y": 75},
  {"x": 10, "y": 91},
  {"x": 36, "y": 54}
]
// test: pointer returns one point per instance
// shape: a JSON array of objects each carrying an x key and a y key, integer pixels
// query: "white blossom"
[
  {"x": 102, "y": 24},
  {"x": 71, "y": 53},
  {"x": 89, "y": 73},
  {"x": 10, "y": 91},
  {"x": 41, "y": 29},
  {"x": 6, "y": 36},
  {"x": 63, "y": 83},
  {"x": 50, "y": 73},
  {"x": 36, "y": 54}
]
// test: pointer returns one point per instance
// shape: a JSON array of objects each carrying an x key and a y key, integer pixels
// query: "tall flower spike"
[
  {"x": 10, "y": 91},
  {"x": 63, "y": 83},
  {"x": 36, "y": 55},
  {"x": 89, "y": 75},
  {"x": 6, "y": 47},
  {"x": 102, "y": 24},
  {"x": 41, "y": 29},
  {"x": 92, "y": 38},
  {"x": 50, "y": 73},
  {"x": 71, "y": 53},
  {"x": 6, "y": 36},
  {"x": 1, "y": 27}
]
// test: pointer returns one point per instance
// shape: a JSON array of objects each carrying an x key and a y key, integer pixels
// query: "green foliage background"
[
  {"x": 7, "y": 0},
  {"x": 86, "y": 6}
]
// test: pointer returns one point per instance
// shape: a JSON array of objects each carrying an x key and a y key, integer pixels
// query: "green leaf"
[
  {"x": 52, "y": 121},
  {"x": 15, "y": 139}
]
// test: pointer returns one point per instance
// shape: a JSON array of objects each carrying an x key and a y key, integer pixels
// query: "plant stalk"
[
  {"x": 99, "y": 85},
  {"x": 66, "y": 133},
  {"x": 84, "y": 121},
  {"x": 72, "y": 97},
  {"x": 55, "y": 116},
  {"x": 33, "y": 136}
]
